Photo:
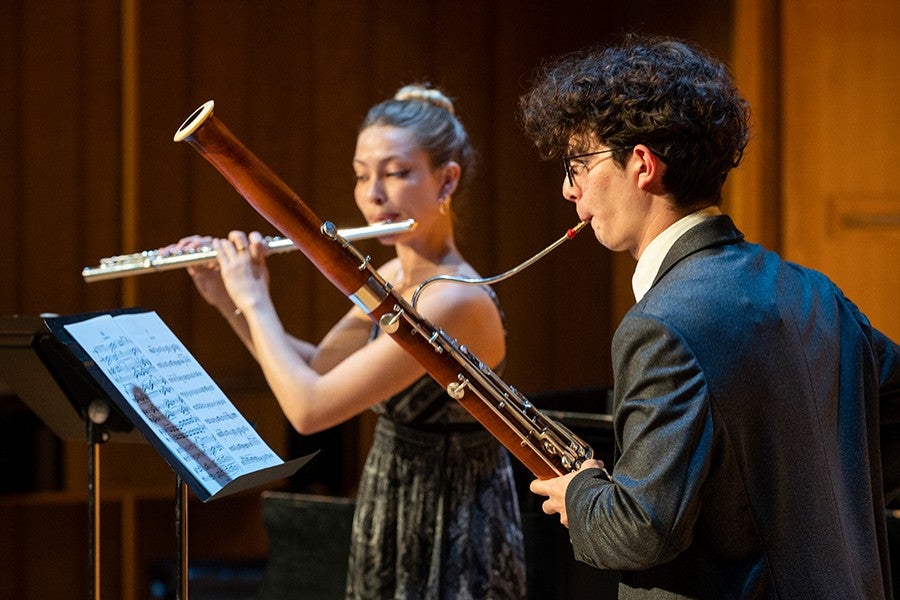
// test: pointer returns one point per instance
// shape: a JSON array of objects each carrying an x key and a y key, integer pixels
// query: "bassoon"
[{"x": 547, "y": 448}]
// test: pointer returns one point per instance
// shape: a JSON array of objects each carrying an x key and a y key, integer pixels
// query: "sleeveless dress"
[{"x": 437, "y": 516}]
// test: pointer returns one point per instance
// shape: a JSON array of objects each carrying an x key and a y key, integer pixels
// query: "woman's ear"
[{"x": 449, "y": 174}]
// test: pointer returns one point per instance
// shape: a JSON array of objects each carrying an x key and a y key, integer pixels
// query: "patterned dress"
[{"x": 437, "y": 515}]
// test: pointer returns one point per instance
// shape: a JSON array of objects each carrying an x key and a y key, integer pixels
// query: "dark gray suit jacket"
[{"x": 757, "y": 419}]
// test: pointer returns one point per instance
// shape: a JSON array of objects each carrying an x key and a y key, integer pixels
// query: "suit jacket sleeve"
[{"x": 664, "y": 433}]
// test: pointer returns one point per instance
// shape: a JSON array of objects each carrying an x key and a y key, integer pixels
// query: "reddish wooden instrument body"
[{"x": 284, "y": 209}]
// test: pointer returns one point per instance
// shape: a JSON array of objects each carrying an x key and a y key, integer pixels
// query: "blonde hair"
[
  {"x": 429, "y": 114},
  {"x": 425, "y": 94}
]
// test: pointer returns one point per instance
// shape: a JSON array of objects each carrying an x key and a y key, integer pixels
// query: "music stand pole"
[
  {"x": 97, "y": 415},
  {"x": 181, "y": 532}
]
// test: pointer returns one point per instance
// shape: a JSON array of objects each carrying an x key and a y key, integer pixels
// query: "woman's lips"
[{"x": 385, "y": 218}]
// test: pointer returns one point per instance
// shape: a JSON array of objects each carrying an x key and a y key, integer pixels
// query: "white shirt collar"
[{"x": 651, "y": 259}]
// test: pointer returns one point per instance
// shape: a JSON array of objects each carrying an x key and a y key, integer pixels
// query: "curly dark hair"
[{"x": 662, "y": 92}]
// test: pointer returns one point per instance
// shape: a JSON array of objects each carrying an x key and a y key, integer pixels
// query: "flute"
[{"x": 150, "y": 261}]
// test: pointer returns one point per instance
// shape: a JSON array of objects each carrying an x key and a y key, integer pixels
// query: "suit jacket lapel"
[{"x": 712, "y": 232}]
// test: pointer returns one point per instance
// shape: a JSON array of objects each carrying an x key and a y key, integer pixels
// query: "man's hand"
[{"x": 555, "y": 490}]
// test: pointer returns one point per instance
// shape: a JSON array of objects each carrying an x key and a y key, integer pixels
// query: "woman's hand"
[
  {"x": 243, "y": 270},
  {"x": 206, "y": 277}
]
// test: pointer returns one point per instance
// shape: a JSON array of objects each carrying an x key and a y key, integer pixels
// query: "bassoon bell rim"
[{"x": 194, "y": 121}]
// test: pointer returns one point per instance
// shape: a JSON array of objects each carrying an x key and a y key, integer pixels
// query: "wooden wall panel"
[
  {"x": 95, "y": 106},
  {"x": 51, "y": 194},
  {"x": 528, "y": 196},
  {"x": 841, "y": 205},
  {"x": 341, "y": 88},
  {"x": 11, "y": 158},
  {"x": 293, "y": 81},
  {"x": 753, "y": 191},
  {"x": 88, "y": 167},
  {"x": 98, "y": 224}
]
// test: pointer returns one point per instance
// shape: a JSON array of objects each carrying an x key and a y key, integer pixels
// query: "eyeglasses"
[{"x": 573, "y": 171}]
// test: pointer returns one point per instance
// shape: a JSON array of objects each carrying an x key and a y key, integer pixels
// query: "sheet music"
[{"x": 175, "y": 396}]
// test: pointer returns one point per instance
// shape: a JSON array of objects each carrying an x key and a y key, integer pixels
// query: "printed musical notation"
[{"x": 175, "y": 396}]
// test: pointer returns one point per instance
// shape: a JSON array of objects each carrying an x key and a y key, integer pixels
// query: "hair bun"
[{"x": 428, "y": 95}]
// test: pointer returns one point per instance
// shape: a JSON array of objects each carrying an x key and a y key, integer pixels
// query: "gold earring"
[{"x": 444, "y": 205}]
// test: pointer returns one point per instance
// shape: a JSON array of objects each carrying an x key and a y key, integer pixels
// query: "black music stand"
[
  {"x": 53, "y": 374},
  {"x": 57, "y": 388}
]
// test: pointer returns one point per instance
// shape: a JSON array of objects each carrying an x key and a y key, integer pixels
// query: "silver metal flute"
[{"x": 151, "y": 261}]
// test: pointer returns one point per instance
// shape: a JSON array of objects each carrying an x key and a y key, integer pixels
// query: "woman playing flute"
[{"x": 436, "y": 513}]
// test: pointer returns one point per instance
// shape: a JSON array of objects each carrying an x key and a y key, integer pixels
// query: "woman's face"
[{"x": 395, "y": 179}]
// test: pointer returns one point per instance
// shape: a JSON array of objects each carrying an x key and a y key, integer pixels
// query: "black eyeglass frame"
[{"x": 567, "y": 160}]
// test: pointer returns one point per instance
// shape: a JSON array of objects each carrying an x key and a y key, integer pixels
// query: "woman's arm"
[{"x": 346, "y": 374}]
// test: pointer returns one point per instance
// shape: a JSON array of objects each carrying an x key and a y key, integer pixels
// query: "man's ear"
[{"x": 650, "y": 170}]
